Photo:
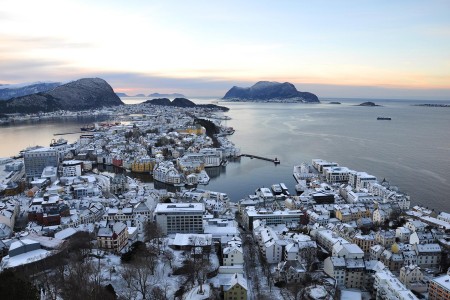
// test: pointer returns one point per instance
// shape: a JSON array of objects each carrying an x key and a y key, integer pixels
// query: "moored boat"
[{"x": 59, "y": 142}]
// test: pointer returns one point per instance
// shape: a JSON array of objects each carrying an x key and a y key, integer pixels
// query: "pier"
[
  {"x": 64, "y": 133},
  {"x": 275, "y": 161}
]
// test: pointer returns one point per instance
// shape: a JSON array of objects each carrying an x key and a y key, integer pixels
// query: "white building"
[
  {"x": 233, "y": 255},
  {"x": 388, "y": 287},
  {"x": 71, "y": 168},
  {"x": 180, "y": 217},
  {"x": 271, "y": 217},
  {"x": 410, "y": 274}
]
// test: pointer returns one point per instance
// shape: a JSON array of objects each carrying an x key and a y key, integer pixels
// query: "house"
[
  {"x": 410, "y": 274},
  {"x": 385, "y": 238},
  {"x": 347, "y": 251},
  {"x": 422, "y": 237},
  {"x": 236, "y": 288},
  {"x": 289, "y": 271},
  {"x": 113, "y": 238},
  {"x": 428, "y": 255},
  {"x": 233, "y": 255},
  {"x": 415, "y": 225},
  {"x": 403, "y": 234},
  {"x": 379, "y": 216},
  {"x": 348, "y": 272}
]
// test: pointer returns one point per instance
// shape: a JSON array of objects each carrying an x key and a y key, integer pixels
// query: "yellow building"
[
  {"x": 236, "y": 289},
  {"x": 343, "y": 215},
  {"x": 142, "y": 165},
  {"x": 364, "y": 241},
  {"x": 197, "y": 129}
]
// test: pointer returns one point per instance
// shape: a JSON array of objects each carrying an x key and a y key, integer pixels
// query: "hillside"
[
  {"x": 12, "y": 91},
  {"x": 82, "y": 94}
]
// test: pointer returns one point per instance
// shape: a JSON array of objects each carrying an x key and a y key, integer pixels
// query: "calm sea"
[{"x": 412, "y": 151}]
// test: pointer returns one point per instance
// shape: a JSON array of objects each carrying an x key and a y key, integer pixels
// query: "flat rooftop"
[{"x": 179, "y": 207}]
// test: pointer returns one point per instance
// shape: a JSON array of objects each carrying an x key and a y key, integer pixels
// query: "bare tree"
[
  {"x": 157, "y": 293},
  {"x": 154, "y": 234},
  {"x": 168, "y": 256}
]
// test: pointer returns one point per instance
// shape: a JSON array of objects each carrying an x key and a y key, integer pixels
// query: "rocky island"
[
  {"x": 368, "y": 103},
  {"x": 270, "y": 91},
  {"x": 82, "y": 94},
  {"x": 183, "y": 102}
]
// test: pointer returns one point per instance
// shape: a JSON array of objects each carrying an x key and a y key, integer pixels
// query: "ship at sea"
[{"x": 384, "y": 118}]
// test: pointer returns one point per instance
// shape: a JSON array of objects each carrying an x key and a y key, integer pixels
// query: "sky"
[{"x": 363, "y": 49}]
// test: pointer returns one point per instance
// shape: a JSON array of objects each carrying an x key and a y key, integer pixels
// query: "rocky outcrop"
[
  {"x": 13, "y": 91},
  {"x": 82, "y": 94},
  {"x": 368, "y": 103},
  {"x": 269, "y": 90}
]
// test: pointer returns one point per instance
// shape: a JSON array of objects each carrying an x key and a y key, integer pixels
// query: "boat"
[
  {"x": 276, "y": 189},
  {"x": 284, "y": 189},
  {"x": 88, "y": 127},
  {"x": 384, "y": 118},
  {"x": 276, "y": 161},
  {"x": 59, "y": 142}
]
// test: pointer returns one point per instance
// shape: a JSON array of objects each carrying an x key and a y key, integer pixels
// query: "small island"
[
  {"x": 368, "y": 103},
  {"x": 334, "y": 102}
]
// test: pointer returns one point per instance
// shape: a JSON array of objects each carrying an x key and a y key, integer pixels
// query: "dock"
[
  {"x": 64, "y": 133},
  {"x": 275, "y": 161}
]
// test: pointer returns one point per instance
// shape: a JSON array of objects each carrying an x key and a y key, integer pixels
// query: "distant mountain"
[
  {"x": 183, "y": 102},
  {"x": 173, "y": 95},
  {"x": 122, "y": 95},
  {"x": 82, "y": 94},
  {"x": 8, "y": 91},
  {"x": 270, "y": 90}
]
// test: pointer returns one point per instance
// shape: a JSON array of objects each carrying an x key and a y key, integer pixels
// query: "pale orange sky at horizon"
[{"x": 399, "y": 49}]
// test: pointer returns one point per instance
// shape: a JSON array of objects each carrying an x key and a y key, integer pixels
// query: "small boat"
[
  {"x": 88, "y": 128},
  {"x": 276, "y": 161},
  {"x": 384, "y": 118},
  {"x": 59, "y": 142}
]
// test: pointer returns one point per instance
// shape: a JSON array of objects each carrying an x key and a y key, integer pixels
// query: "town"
[{"x": 73, "y": 229}]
